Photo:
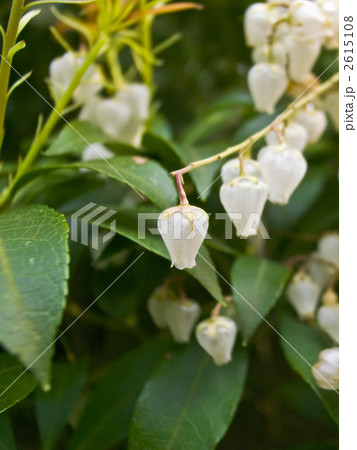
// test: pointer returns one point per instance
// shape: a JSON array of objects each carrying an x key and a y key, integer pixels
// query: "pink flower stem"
[{"x": 181, "y": 190}]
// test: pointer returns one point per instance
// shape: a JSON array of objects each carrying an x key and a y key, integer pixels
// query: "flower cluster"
[
  {"x": 216, "y": 335},
  {"x": 304, "y": 293},
  {"x": 120, "y": 117},
  {"x": 287, "y": 38}
]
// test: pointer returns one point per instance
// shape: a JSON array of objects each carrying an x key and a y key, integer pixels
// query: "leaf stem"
[
  {"x": 287, "y": 114},
  {"x": 17, "y": 10}
]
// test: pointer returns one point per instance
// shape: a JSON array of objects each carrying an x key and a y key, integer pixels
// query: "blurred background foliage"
[{"x": 201, "y": 97}]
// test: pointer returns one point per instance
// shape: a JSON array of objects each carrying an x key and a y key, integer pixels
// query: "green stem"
[
  {"x": 41, "y": 139},
  {"x": 16, "y": 12},
  {"x": 147, "y": 44},
  {"x": 287, "y": 114}
]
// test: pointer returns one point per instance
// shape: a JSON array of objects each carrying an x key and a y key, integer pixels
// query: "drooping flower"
[
  {"x": 231, "y": 169},
  {"x": 257, "y": 24},
  {"x": 326, "y": 370},
  {"x": 217, "y": 336},
  {"x": 181, "y": 316},
  {"x": 283, "y": 168},
  {"x": 328, "y": 248},
  {"x": 302, "y": 56},
  {"x": 267, "y": 83},
  {"x": 243, "y": 199},
  {"x": 275, "y": 53},
  {"x": 303, "y": 295},
  {"x": 156, "y": 304},
  {"x": 183, "y": 229},
  {"x": 328, "y": 320},
  {"x": 62, "y": 71},
  {"x": 308, "y": 21},
  {"x": 313, "y": 120},
  {"x": 294, "y": 135}
]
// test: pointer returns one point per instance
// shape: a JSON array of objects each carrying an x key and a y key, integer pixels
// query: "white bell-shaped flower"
[
  {"x": 243, "y": 199},
  {"x": 96, "y": 151},
  {"x": 276, "y": 54},
  {"x": 326, "y": 370},
  {"x": 328, "y": 248},
  {"x": 303, "y": 295},
  {"x": 328, "y": 320},
  {"x": 181, "y": 316},
  {"x": 112, "y": 117},
  {"x": 183, "y": 229},
  {"x": 330, "y": 9},
  {"x": 258, "y": 25},
  {"x": 313, "y": 120},
  {"x": 308, "y": 22},
  {"x": 331, "y": 105},
  {"x": 320, "y": 272},
  {"x": 138, "y": 97},
  {"x": 283, "y": 169},
  {"x": 231, "y": 169},
  {"x": 217, "y": 336},
  {"x": 294, "y": 134},
  {"x": 267, "y": 83},
  {"x": 302, "y": 56},
  {"x": 156, "y": 305},
  {"x": 62, "y": 71}
]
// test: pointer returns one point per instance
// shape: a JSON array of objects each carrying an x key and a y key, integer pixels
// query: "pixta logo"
[{"x": 90, "y": 217}]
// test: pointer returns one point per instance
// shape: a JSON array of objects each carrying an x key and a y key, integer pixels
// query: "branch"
[{"x": 290, "y": 111}]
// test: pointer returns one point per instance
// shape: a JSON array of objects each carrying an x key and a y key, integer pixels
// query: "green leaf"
[
  {"x": 26, "y": 18},
  {"x": 302, "y": 344},
  {"x": 145, "y": 176},
  {"x": 54, "y": 407},
  {"x": 74, "y": 138},
  {"x": 18, "y": 83},
  {"x": 67, "y": 2},
  {"x": 107, "y": 414},
  {"x": 33, "y": 273},
  {"x": 10, "y": 370},
  {"x": 7, "y": 441},
  {"x": 16, "y": 48},
  {"x": 257, "y": 285},
  {"x": 127, "y": 225},
  {"x": 189, "y": 402}
]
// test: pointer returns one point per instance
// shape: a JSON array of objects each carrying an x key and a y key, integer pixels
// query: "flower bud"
[
  {"x": 303, "y": 295},
  {"x": 302, "y": 56},
  {"x": 267, "y": 83},
  {"x": 217, "y": 336},
  {"x": 231, "y": 169},
  {"x": 326, "y": 370},
  {"x": 243, "y": 199},
  {"x": 328, "y": 320},
  {"x": 181, "y": 316},
  {"x": 283, "y": 168},
  {"x": 314, "y": 121},
  {"x": 257, "y": 24},
  {"x": 308, "y": 22},
  {"x": 183, "y": 229},
  {"x": 295, "y": 136},
  {"x": 276, "y": 54},
  {"x": 330, "y": 298},
  {"x": 328, "y": 248},
  {"x": 156, "y": 305}
]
